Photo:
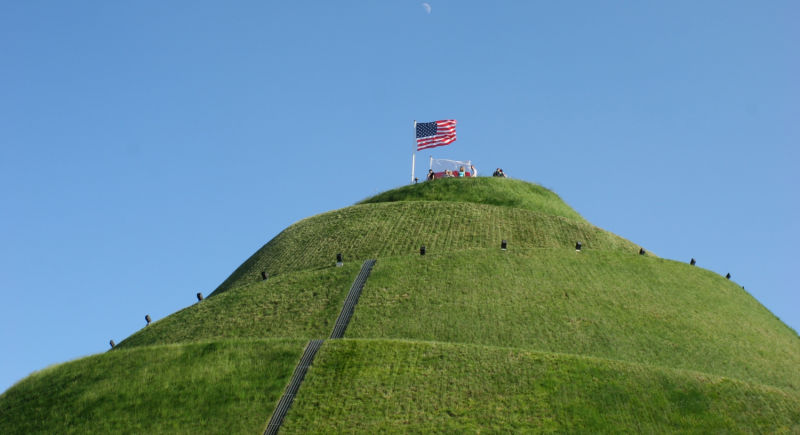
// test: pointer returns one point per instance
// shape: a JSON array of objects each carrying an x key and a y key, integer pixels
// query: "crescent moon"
[{"x": 427, "y": 7}]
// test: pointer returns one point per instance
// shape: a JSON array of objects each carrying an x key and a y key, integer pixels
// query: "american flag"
[{"x": 435, "y": 134}]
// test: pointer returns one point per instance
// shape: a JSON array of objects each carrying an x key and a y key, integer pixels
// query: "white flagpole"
[{"x": 414, "y": 155}]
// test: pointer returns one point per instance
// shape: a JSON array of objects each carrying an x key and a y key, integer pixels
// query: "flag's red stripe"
[
  {"x": 440, "y": 134},
  {"x": 437, "y": 136},
  {"x": 433, "y": 144},
  {"x": 430, "y": 146},
  {"x": 445, "y": 139}
]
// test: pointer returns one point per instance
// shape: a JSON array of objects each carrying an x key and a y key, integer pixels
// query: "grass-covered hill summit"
[
  {"x": 483, "y": 190},
  {"x": 466, "y": 339}
]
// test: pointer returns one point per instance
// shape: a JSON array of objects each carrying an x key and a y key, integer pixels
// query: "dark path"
[
  {"x": 352, "y": 299},
  {"x": 294, "y": 385}
]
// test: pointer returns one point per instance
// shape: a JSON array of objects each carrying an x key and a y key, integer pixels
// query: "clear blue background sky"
[{"x": 147, "y": 149}]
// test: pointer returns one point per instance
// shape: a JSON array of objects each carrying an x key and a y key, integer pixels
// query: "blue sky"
[{"x": 148, "y": 148}]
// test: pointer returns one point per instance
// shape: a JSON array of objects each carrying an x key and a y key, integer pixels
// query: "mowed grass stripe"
[
  {"x": 603, "y": 304},
  {"x": 393, "y": 229},
  {"x": 396, "y": 387},
  {"x": 213, "y": 388}
]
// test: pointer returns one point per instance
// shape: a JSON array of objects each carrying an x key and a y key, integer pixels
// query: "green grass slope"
[
  {"x": 467, "y": 339},
  {"x": 296, "y": 305},
  {"x": 603, "y": 304},
  {"x": 399, "y": 228},
  {"x": 502, "y": 192},
  {"x": 213, "y": 388},
  {"x": 371, "y": 387}
]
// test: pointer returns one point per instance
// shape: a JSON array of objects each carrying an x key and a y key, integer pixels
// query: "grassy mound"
[
  {"x": 502, "y": 192},
  {"x": 214, "y": 388},
  {"x": 297, "y": 305},
  {"x": 391, "y": 229},
  {"x": 467, "y": 339},
  {"x": 369, "y": 387},
  {"x": 603, "y": 304}
]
